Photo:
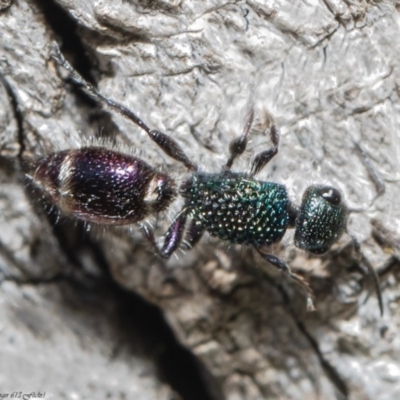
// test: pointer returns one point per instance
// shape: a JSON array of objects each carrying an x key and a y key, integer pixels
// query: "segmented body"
[
  {"x": 108, "y": 187},
  {"x": 103, "y": 186},
  {"x": 238, "y": 208}
]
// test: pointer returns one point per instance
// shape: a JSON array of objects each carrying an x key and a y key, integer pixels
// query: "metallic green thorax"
[
  {"x": 237, "y": 208},
  {"x": 320, "y": 222}
]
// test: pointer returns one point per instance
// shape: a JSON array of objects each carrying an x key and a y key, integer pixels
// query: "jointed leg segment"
[
  {"x": 173, "y": 237},
  {"x": 364, "y": 260},
  {"x": 263, "y": 158},
  {"x": 238, "y": 147},
  {"x": 297, "y": 279},
  {"x": 165, "y": 142},
  {"x": 193, "y": 235}
]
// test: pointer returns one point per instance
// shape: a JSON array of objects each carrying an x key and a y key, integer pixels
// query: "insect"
[
  {"x": 106, "y": 187},
  {"x": 103, "y": 186}
]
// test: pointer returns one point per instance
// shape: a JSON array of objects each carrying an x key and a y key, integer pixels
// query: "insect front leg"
[
  {"x": 371, "y": 270},
  {"x": 297, "y": 279}
]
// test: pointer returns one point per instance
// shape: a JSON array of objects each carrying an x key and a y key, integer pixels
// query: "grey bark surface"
[{"x": 327, "y": 73}]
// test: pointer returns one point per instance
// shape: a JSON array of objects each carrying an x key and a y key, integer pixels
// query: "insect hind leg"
[
  {"x": 173, "y": 237},
  {"x": 164, "y": 141}
]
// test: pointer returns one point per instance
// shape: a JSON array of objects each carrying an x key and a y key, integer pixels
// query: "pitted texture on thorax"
[{"x": 238, "y": 208}]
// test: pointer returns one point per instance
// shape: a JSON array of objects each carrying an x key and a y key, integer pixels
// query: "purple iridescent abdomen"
[{"x": 103, "y": 186}]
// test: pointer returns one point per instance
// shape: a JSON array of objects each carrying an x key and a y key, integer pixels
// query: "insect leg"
[
  {"x": 263, "y": 158},
  {"x": 165, "y": 142},
  {"x": 238, "y": 145},
  {"x": 173, "y": 237},
  {"x": 297, "y": 279},
  {"x": 374, "y": 176},
  {"x": 193, "y": 235},
  {"x": 370, "y": 269}
]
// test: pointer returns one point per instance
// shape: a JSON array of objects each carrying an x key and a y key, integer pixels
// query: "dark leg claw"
[
  {"x": 262, "y": 159},
  {"x": 238, "y": 145},
  {"x": 297, "y": 279}
]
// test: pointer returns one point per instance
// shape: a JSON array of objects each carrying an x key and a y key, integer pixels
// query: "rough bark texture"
[{"x": 327, "y": 73}]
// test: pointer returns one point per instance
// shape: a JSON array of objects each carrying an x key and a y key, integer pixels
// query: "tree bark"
[{"x": 75, "y": 298}]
